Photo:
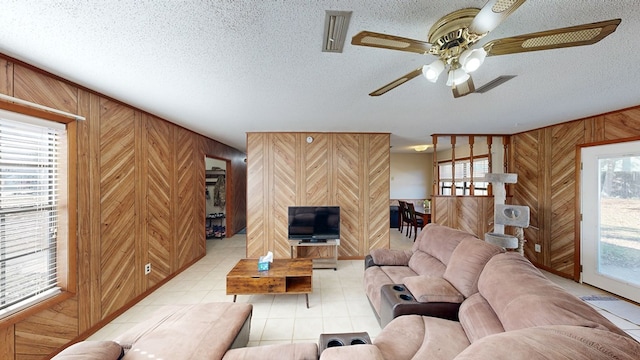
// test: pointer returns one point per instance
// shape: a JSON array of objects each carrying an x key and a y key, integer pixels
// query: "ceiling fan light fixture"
[
  {"x": 472, "y": 59},
  {"x": 457, "y": 77},
  {"x": 433, "y": 70}
]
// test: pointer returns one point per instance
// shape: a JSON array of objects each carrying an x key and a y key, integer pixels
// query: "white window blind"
[
  {"x": 463, "y": 170},
  {"x": 29, "y": 198},
  {"x": 462, "y": 181}
]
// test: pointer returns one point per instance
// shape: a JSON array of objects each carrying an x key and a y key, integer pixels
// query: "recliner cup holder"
[
  {"x": 406, "y": 297},
  {"x": 342, "y": 339},
  {"x": 398, "y": 288},
  {"x": 334, "y": 342}
]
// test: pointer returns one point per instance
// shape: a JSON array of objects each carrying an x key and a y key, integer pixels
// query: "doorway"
[
  {"x": 610, "y": 228},
  {"x": 216, "y": 198}
]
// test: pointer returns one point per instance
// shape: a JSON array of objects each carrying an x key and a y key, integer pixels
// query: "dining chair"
[
  {"x": 406, "y": 218},
  {"x": 402, "y": 210},
  {"x": 414, "y": 221}
]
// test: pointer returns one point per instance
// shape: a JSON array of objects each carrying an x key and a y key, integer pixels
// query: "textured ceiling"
[{"x": 223, "y": 68}]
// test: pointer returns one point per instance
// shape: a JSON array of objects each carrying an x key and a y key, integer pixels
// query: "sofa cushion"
[
  {"x": 299, "y": 351},
  {"x": 439, "y": 241},
  {"x": 391, "y": 257},
  {"x": 559, "y": 342},
  {"x": 523, "y": 297},
  {"x": 467, "y": 262},
  {"x": 424, "y": 264},
  {"x": 91, "y": 350},
  {"x": 203, "y": 331},
  {"x": 421, "y": 337},
  {"x": 432, "y": 289},
  {"x": 478, "y": 318},
  {"x": 377, "y": 276}
]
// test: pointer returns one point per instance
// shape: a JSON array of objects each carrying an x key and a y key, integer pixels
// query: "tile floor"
[{"x": 337, "y": 304}]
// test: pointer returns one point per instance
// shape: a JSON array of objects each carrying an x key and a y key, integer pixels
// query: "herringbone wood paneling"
[
  {"x": 344, "y": 169},
  {"x": 525, "y": 163},
  {"x": 622, "y": 124},
  {"x": 443, "y": 209},
  {"x": 54, "y": 327},
  {"x": 158, "y": 214},
  {"x": 282, "y": 192},
  {"x": 117, "y": 205},
  {"x": 468, "y": 212},
  {"x": 257, "y": 195},
  {"x": 564, "y": 139},
  {"x": 348, "y": 192},
  {"x": 315, "y": 168},
  {"x": 377, "y": 236},
  {"x": 186, "y": 246},
  {"x": 473, "y": 214},
  {"x": 38, "y": 88}
]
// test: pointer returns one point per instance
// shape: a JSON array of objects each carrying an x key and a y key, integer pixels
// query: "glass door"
[{"x": 610, "y": 229}]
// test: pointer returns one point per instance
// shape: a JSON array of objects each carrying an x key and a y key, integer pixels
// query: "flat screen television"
[{"x": 314, "y": 223}]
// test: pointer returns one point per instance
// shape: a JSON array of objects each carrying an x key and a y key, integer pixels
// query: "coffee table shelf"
[{"x": 285, "y": 276}]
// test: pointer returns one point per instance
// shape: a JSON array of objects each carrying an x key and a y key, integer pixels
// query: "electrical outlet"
[
  {"x": 537, "y": 248},
  {"x": 147, "y": 269}
]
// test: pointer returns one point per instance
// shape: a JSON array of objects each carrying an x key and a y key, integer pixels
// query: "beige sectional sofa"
[
  {"x": 517, "y": 313},
  {"x": 440, "y": 271}
]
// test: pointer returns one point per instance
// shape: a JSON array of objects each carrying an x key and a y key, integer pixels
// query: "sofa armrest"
[
  {"x": 365, "y": 351},
  {"x": 391, "y": 257},
  {"x": 96, "y": 350},
  {"x": 368, "y": 262}
]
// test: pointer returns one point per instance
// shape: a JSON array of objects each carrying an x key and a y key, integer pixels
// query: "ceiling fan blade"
[
  {"x": 463, "y": 89},
  {"x": 373, "y": 39},
  {"x": 397, "y": 82},
  {"x": 585, "y": 34},
  {"x": 492, "y": 14}
]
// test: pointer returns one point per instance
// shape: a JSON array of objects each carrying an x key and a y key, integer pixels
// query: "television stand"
[{"x": 324, "y": 254}]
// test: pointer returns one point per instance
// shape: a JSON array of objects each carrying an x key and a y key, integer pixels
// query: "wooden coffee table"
[{"x": 285, "y": 276}]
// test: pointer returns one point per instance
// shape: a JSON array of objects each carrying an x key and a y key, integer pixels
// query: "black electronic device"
[{"x": 314, "y": 223}]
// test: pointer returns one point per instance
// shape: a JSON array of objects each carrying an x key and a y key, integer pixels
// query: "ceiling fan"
[{"x": 451, "y": 39}]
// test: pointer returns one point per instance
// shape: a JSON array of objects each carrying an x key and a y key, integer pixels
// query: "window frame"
[
  {"x": 67, "y": 221},
  {"x": 461, "y": 183}
]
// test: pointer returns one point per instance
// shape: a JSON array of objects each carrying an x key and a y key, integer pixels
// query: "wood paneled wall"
[
  {"x": 473, "y": 214},
  {"x": 350, "y": 170},
  {"x": 140, "y": 190},
  {"x": 545, "y": 161}
]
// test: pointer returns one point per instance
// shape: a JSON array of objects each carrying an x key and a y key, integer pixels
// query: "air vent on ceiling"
[
  {"x": 494, "y": 83},
  {"x": 335, "y": 30}
]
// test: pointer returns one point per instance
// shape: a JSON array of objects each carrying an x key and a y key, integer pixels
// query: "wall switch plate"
[
  {"x": 147, "y": 269},
  {"x": 537, "y": 248}
]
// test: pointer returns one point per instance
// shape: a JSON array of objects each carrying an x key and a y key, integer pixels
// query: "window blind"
[
  {"x": 29, "y": 197},
  {"x": 463, "y": 170}
]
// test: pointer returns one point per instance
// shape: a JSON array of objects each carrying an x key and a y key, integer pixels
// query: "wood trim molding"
[{"x": 11, "y": 103}]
